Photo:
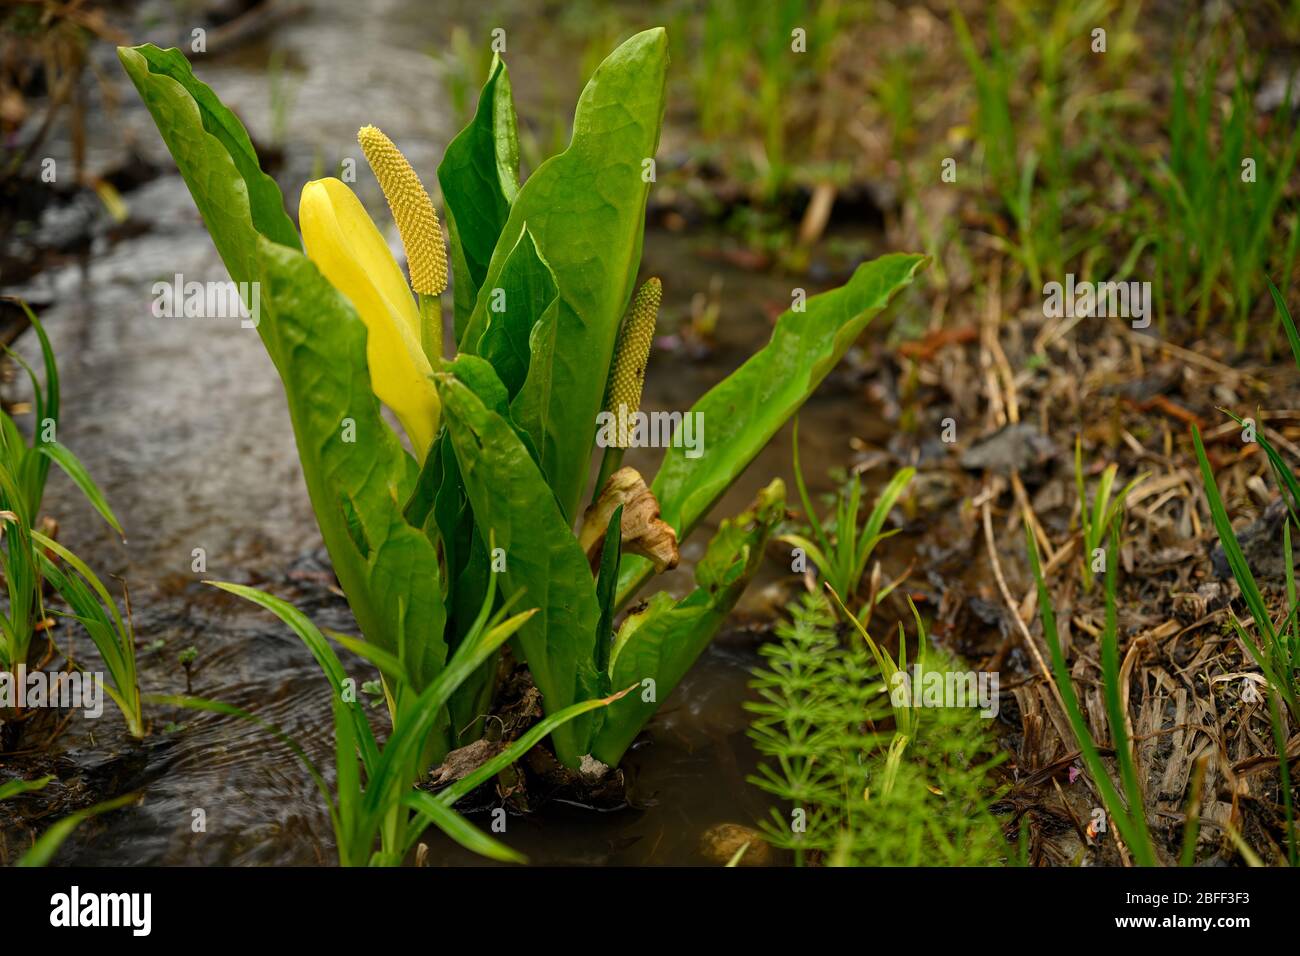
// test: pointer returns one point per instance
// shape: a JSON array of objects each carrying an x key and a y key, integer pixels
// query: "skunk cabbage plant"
[{"x": 501, "y": 436}]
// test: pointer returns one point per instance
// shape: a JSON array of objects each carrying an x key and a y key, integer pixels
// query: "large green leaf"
[
  {"x": 525, "y": 290},
  {"x": 661, "y": 642},
  {"x": 479, "y": 175},
  {"x": 465, "y": 554},
  {"x": 531, "y": 408},
  {"x": 515, "y": 509},
  {"x": 742, "y": 412},
  {"x": 209, "y": 143},
  {"x": 586, "y": 209},
  {"x": 356, "y": 471}
]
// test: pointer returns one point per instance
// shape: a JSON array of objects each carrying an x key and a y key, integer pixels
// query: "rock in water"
[{"x": 720, "y": 842}]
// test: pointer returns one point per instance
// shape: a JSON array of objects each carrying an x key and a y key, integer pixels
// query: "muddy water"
[{"x": 183, "y": 424}]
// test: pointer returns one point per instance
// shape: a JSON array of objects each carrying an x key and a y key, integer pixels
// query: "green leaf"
[
  {"x": 531, "y": 408},
  {"x": 606, "y": 591},
  {"x": 388, "y": 569},
  {"x": 401, "y": 762},
  {"x": 390, "y": 666},
  {"x": 319, "y": 346},
  {"x": 32, "y": 469},
  {"x": 515, "y": 509},
  {"x": 520, "y": 747},
  {"x": 1134, "y": 835},
  {"x": 526, "y": 290},
  {"x": 19, "y": 568},
  {"x": 809, "y": 511},
  {"x": 320, "y": 649},
  {"x": 748, "y": 407},
  {"x": 479, "y": 175},
  {"x": 481, "y": 378},
  {"x": 347, "y": 782},
  {"x": 662, "y": 642},
  {"x": 48, "y": 843},
  {"x": 1231, "y": 547},
  {"x": 1288, "y": 323},
  {"x": 1116, "y": 707},
  {"x": 215, "y": 157},
  {"x": 75, "y": 470},
  {"x": 586, "y": 209},
  {"x": 465, "y": 558},
  {"x": 95, "y": 610},
  {"x": 15, "y": 787},
  {"x": 1272, "y": 657},
  {"x": 459, "y": 829},
  {"x": 871, "y": 534},
  {"x": 1286, "y": 478}
]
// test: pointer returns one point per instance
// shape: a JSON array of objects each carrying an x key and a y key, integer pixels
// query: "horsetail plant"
[
  {"x": 503, "y": 433},
  {"x": 863, "y": 796}
]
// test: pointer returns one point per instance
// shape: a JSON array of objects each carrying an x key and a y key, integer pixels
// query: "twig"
[{"x": 1193, "y": 358}]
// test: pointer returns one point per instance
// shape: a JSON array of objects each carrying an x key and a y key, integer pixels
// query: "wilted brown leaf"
[{"x": 643, "y": 531}]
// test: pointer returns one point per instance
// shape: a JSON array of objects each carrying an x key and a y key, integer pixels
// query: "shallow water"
[{"x": 183, "y": 424}]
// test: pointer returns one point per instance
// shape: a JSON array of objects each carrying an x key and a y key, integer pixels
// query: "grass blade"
[
  {"x": 48, "y": 843},
  {"x": 458, "y": 828},
  {"x": 1136, "y": 837},
  {"x": 74, "y": 469}
]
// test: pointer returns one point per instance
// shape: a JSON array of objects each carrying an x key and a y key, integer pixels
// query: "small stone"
[
  {"x": 1019, "y": 447},
  {"x": 1261, "y": 543},
  {"x": 722, "y": 841},
  {"x": 592, "y": 770}
]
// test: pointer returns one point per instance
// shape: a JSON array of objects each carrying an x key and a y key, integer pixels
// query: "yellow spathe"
[{"x": 342, "y": 240}]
